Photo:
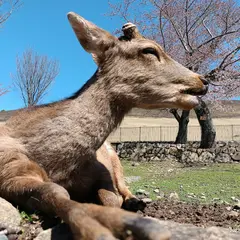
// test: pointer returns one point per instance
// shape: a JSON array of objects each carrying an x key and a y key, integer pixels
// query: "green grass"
[
  {"x": 219, "y": 181},
  {"x": 26, "y": 217}
]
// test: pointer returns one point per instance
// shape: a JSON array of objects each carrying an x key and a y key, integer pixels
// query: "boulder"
[
  {"x": 206, "y": 157},
  {"x": 186, "y": 231},
  {"x": 60, "y": 232},
  {"x": 9, "y": 215},
  {"x": 223, "y": 158},
  {"x": 189, "y": 157},
  {"x": 236, "y": 156}
]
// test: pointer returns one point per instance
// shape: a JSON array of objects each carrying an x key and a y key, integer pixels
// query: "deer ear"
[{"x": 92, "y": 38}]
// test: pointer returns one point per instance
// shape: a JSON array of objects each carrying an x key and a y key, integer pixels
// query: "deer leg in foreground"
[{"x": 25, "y": 183}]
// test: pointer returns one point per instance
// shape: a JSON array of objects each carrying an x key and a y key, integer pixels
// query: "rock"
[
  {"x": 132, "y": 179},
  {"x": 179, "y": 146},
  {"x": 221, "y": 144},
  {"x": 160, "y": 196},
  {"x": 3, "y": 237},
  {"x": 189, "y": 157},
  {"x": 199, "y": 151},
  {"x": 237, "y": 206},
  {"x": 156, "y": 190},
  {"x": 203, "y": 197},
  {"x": 173, "y": 151},
  {"x": 206, "y": 157},
  {"x": 9, "y": 215},
  {"x": 174, "y": 196},
  {"x": 224, "y": 150},
  {"x": 235, "y": 199},
  {"x": 236, "y": 157},
  {"x": 228, "y": 208},
  {"x": 186, "y": 231},
  {"x": 147, "y": 193},
  {"x": 233, "y": 215},
  {"x": 140, "y": 191},
  {"x": 191, "y": 195},
  {"x": 171, "y": 212},
  {"x": 156, "y": 158},
  {"x": 231, "y": 150},
  {"x": 134, "y": 164},
  {"x": 223, "y": 158},
  {"x": 233, "y": 144},
  {"x": 147, "y": 200},
  {"x": 60, "y": 232}
]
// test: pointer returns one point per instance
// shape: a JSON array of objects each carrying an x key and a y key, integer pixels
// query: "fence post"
[
  {"x": 140, "y": 133},
  {"x": 120, "y": 133},
  {"x": 160, "y": 130}
]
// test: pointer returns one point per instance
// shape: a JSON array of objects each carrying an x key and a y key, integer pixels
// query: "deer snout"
[
  {"x": 200, "y": 86},
  {"x": 204, "y": 80},
  {"x": 205, "y": 85}
]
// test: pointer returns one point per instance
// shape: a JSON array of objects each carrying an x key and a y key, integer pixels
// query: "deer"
[{"x": 52, "y": 156}]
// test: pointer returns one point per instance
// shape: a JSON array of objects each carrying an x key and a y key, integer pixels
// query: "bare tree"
[
  {"x": 201, "y": 34},
  {"x": 34, "y": 75},
  {"x": 2, "y": 90},
  {"x": 6, "y": 9}
]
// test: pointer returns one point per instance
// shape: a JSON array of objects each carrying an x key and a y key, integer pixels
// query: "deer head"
[{"x": 137, "y": 72}]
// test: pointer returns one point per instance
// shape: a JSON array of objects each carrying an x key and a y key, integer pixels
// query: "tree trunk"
[
  {"x": 208, "y": 132},
  {"x": 182, "y": 126}
]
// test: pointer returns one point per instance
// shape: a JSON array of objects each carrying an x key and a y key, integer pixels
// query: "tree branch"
[
  {"x": 216, "y": 37},
  {"x": 175, "y": 114},
  {"x": 14, "y": 6}
]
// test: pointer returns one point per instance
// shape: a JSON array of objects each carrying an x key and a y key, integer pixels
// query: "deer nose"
[
  {"x": 205, "y": 83},
  {"x": 204, "y": 80}
]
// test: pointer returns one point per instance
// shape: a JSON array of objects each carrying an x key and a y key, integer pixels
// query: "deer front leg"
[
  {"x": 89, "y": 221},
  {"x": 93, "y": 222},
  {"x": 26, "y": 184},
  {"x": 113, "y": 190}
]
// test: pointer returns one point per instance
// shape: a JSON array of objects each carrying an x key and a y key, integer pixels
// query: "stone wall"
[{"x": 189, "y": 154}]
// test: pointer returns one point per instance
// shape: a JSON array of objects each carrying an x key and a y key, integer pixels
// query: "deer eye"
[{"x": 151, "y": 51}]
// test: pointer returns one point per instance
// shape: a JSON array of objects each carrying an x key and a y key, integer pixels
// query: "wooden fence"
[{"x": 169, "y": 133}]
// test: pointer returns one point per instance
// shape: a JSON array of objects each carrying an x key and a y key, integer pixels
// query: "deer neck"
[{"x": 96, "y": 111}]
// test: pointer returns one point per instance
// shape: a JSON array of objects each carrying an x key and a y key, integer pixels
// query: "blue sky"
[{"x": 43, "y": 26}]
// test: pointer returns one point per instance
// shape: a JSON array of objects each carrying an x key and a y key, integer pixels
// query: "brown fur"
[{"x": 50, "y": 153}]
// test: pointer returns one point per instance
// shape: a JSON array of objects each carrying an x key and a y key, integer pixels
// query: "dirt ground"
[{"x": 193, "y": 213}]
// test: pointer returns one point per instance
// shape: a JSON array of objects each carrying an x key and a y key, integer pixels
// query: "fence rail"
[{"x": 169, "y": 133}]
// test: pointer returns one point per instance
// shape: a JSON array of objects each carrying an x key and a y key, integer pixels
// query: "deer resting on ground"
[{"x": 48, "y": 153}]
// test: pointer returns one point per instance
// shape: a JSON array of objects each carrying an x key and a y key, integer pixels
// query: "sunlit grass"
[{"x": 216, "y": 183}]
